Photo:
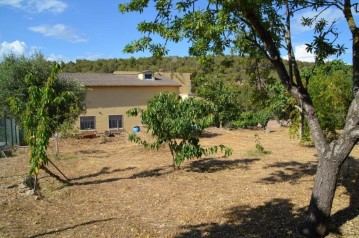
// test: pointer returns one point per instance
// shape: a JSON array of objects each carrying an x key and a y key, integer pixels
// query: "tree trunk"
[
  {"x": 57, "y": 147},
  {"x": 301, "y": 123},
  {"x": 330, "y": 155},
  {"x": 318, "y": 214}
]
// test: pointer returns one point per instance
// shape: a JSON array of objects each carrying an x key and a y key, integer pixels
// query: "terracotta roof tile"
[{"x": 113, "y": 80}]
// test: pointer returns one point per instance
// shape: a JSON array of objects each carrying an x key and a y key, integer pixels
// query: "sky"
[{"x": 66, "y": 30}]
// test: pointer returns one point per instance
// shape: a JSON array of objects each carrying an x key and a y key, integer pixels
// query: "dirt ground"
[{"x": 119, "y": 189}]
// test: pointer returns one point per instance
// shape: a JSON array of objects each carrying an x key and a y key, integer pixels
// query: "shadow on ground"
[
  {"x": 153, "y": 172},
  {"x": 207, "y": 134},
  {"x": 289, "y": 172},
  {"x": 209, "y": 165},
  {"x": 276, "y": 218},
  {"x": 104, "y": 170},
  {"x": 88, "y": 152},
  {"x": 82, "y": 180},
  {"x": 58, "y": 231}
]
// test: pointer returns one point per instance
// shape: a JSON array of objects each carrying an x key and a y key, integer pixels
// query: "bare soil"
[{"x": 119, "y": 189}]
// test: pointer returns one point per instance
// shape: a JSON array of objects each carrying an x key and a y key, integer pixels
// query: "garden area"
[{"x": 120, "y": 189}]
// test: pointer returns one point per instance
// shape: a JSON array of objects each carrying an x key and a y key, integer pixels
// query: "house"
[{"x": 109, "y": 96}]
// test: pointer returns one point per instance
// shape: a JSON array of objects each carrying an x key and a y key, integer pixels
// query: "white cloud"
[
  {"x": 58, "y": 58},
  {"x": 54, "y": 6},
  {"x": 301, "y": 54},
  {"x": 59, "y": 31},
  {"x": 36, "y": 6},
  {"x": 330, "y": 15},
  {"x": 15, "y": 47},
  {"x": 11, "y": 3}
]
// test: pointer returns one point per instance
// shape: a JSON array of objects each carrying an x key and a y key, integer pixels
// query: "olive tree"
[{"x": 252, "y": 27}]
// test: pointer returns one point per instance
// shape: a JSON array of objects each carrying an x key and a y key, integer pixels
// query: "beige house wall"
[
  {"x": 104, "y": 101},
  {"x": 183, "y": 78}
]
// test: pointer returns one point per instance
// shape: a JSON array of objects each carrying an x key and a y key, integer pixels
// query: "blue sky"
[{"x": 70, "y": 30}]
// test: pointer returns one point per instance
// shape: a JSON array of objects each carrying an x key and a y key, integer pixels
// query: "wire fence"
[{"x": 9, "y": 133}]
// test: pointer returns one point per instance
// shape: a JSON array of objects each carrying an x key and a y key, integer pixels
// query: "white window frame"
[
  {"x": 93, "y": 122},
  {"x": 109, "y": 122}
]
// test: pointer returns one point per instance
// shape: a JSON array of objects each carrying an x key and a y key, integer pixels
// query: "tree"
[
  {"x": 331, "y": 87},
  {"x": 178, "y": 122},
  {"x": 223, "y": 94},
  {"x": 261, "y": 104},
  {"x": 13, "y": 70},
  {"x": 47, "y": 108},
  {"x": 252, "y": 27}
]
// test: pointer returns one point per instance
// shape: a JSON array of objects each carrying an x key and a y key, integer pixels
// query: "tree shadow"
[
  {"x": 56, "y": 231},
  {"x": 210, "y": 165},
  {"x": 152, "y": 173},
  {"x": 290, "y": 172},
  {"x": 277, "y": 218},
  {"x": 77, "y": 181},
  {"x": 94, "y": 151},
  {"x": 207, "y": 134},
  {"x": 104, "y": 170},
  {"x": 94, "y": 182}
]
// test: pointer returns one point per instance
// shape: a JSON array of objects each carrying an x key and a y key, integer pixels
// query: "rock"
[{"x": 29, "y": 192}]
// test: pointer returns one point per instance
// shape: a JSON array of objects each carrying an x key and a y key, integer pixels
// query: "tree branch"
[{"x": 354, "y": 133}]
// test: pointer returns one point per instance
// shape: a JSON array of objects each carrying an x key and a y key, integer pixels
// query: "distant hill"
[{"x": 235, "y": 67}]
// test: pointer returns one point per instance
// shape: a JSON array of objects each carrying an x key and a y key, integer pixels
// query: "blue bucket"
[{"x": 136, "y": 129}]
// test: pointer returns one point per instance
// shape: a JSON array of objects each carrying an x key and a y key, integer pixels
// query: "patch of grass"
[{"x": 259, "y": 149}]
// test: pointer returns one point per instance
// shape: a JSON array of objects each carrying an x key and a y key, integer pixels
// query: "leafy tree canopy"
[
  {"x": 222, "y": 93},
  {"x": 178, "y": 122},
  {"x": 42, "y": 114},
  {"x": 14, "y": 69},
  {"x": 331, "y": 87}
]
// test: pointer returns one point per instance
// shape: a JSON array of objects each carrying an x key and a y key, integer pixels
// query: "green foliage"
[
  {"x": 246, "y": 120},
  {"x": 46, "y": 109},
  {"x": 167, "y": 64},
  {"x": 260, "y": 105},
  {"x": 294, "y": 128},
  {"x": 331, "y": 90},
  {"x": 223, "y": 94},
  {"x": 13, "y": 70},
  {"x": 279, "y": 102},
  {"x": 177, "y": 122},
  {"x": 259, "y": 149},
  {"x": 330, "y": 86},
  {"x": 259, "y": 146}
]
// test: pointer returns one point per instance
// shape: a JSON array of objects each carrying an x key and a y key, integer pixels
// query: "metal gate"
[{"x": 9, "y": 133}]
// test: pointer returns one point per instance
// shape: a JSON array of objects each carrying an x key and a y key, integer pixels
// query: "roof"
[{"x": 116, "y": 80}]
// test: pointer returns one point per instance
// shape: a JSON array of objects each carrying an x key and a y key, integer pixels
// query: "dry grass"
[{"x": 122, "y": 190}]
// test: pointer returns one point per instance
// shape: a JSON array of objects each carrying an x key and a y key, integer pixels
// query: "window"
[
  {"x": 115, "y": 121},
  {"x": 87, "y": 123},
  {"x": 148, "y": 76}
]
